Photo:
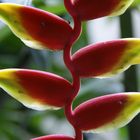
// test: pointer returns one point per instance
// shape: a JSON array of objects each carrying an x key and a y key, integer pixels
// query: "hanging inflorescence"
[{"x": 40, "y": 90}]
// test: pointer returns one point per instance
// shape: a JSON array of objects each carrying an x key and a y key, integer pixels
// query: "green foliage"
[{"x": 136, "y": 3}]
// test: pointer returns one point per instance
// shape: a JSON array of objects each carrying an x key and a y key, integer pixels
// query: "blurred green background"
[{"x": 20, "y": 123}]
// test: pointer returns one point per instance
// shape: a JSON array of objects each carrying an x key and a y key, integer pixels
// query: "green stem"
[{"x": 130, "y": 76}]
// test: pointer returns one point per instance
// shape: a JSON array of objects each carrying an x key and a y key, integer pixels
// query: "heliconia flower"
[
  {"x": 97, "y": 8},
  {"x": 36, "y": 28},
  {"x": 54, "y": 137},
  {"x": 107, "y": 112},
  {"x": 35, "y": 89},
  {"x": 107, "y": 58}
]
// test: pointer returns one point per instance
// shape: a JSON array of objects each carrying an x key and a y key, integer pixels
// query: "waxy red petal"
[
  {"x": 99, "y": 8},
  {"x": 36, "y": 28},
  {"x": 54, "y": 137},
  {"x": 107, "y": 112},
  {"x": 36, "y": 89},
  {"x": 107, "y": 58}
]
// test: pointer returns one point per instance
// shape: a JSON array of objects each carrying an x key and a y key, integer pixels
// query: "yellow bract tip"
[{"x": 122, "y": 7}]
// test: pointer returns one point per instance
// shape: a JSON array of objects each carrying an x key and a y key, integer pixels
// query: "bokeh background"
[{"x": 20, "y": 123}]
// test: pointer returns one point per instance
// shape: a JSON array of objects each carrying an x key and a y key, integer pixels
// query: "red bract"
[
  {"x": 36, "y": 89},
  {"x": 106, "y": 58},
  {"x": 36, "y": 28},
  {"x": 54, "y": 137},
  {"x": 107, "y": 112},
  {"x": 99, "y": 8}
]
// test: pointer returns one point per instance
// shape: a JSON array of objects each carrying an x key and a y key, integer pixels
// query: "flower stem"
[
  {"x": 70, "y": 8},
  {"x": 68, "y": 62},
  {"x": 67, "y": 55},
  {"x": 70, "y": 117},
  {"x": 67, "y": 51},
  {"x": 78, "y": 133}
]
